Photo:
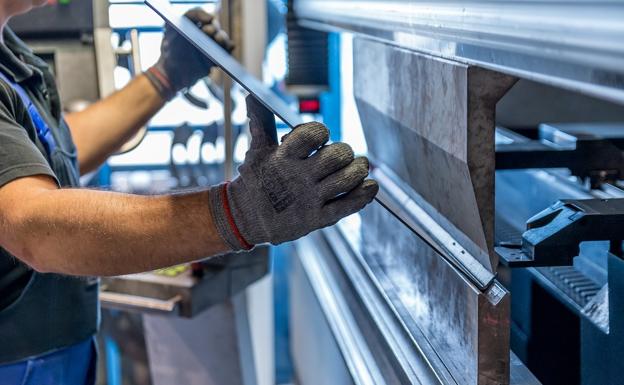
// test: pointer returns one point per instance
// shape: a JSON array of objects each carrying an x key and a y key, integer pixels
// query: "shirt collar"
[{"x": 14, "y": 57}]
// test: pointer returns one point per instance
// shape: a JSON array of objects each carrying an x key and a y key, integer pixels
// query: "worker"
[{"x": 56, "y": 238}]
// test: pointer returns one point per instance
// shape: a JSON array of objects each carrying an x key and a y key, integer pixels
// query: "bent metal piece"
[
  {"x": 275, "y": 104},
  {"x": 431, "y": 122}
]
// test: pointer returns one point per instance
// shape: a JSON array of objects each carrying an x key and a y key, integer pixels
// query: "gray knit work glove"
[
  {"x": 286, "y": 191},
  {"x": 180, "y": 64}
]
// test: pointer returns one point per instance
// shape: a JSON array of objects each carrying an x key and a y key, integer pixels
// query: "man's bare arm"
[
  {"x": 102, "y": 128},
  {"x": 87, "y": 232},
  {"x": 303, "y": 185}
]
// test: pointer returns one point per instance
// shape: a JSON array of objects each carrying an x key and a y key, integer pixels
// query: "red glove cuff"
[
  {"x": 161, "y": 82},
  {"x": 228, "y": 213}
]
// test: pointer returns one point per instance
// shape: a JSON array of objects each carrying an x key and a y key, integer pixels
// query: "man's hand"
[
  {"x": 286, "y": 191},
  {"x": 180, "y": 64},
  {"x": 100, "y": 130}
]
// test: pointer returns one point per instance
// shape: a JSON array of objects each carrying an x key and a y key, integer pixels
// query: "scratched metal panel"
[
  {"x": 467, "y": 328},
  {"x": 431, "y": 121}
]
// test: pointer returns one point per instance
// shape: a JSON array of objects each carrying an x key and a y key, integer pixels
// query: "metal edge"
[
  {"x": 420, "y": 363},
  {"x": 435, "y": 236},
  {"x": 357, "y": 355},
  {"x": 220, "y": 57},
  {"x": 140, "y": 304}
]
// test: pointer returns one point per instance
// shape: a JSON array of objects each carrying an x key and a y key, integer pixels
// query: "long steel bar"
[
  {"x": 576, "y": 45},
  {"x": 476, "y": 273}
]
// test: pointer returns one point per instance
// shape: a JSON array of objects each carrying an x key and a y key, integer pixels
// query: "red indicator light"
[{"x": 309, "y": 106}]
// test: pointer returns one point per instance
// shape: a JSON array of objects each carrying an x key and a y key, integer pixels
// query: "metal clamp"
[
  {"x": 553, "y": 236},
  {"x": 600, "y": 159}
]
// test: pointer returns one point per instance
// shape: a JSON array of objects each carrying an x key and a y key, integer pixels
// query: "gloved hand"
[
  {"x": 180, "y": 64},
  {"x": 286, "y": 191}
]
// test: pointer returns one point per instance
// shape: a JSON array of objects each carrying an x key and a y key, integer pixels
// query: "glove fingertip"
[
  {"x": 363, "y": 194},
  {"x": 209, "y": 30},
  {"x": 363, "y": 161},
  {"x": 199, "y": 15},
  {"x": 371, "y": 187},
  {"x": 222, "y": 38}
]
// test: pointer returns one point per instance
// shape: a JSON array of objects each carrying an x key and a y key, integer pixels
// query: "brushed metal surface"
[
  {"x": 408, "y": 208},
  {"x": 575, "y": 45},
  {"x": 398, "y": 350},
  {"x": 356, "y": 352},
  {"x": 468, "y": 329},
  {"x": 431, "y": 122},
  {"x": 520, "y": 374}
]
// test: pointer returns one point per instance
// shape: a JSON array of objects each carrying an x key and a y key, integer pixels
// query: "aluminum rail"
[
  {"x": 571, "y": 44},
  {"x": 357, "y": 354},
  {"x": 456, "y": 255}
]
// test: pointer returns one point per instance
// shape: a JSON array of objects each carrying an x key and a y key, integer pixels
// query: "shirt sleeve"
[{"x": 19, "y": 156}]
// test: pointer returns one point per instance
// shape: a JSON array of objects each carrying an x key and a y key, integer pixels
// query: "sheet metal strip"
[
  {"x": 474, "y": 271},
  {"x": 408, "y": 212},
  {"x": 226, "y": 62}
]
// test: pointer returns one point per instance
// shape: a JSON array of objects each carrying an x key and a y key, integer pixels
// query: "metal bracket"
[
  {"x": 597, "y": 158},
  {"x": 553, "y": 236}
]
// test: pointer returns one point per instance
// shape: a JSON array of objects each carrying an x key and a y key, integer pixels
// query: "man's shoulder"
[{"x": 11, "y": 106}]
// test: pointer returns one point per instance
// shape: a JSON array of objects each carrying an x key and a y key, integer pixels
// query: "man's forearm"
[
  {"x": 86, "y": 232},
  {"x": 102, "y": 128}
]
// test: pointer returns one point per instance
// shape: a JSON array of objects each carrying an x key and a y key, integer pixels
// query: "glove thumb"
[{"x": 261, "y": 124}]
